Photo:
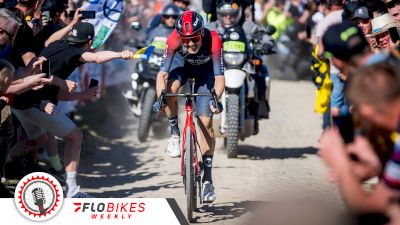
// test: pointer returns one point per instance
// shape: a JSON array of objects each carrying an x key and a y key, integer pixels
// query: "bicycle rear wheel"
[{"x": 189, "y": 175}]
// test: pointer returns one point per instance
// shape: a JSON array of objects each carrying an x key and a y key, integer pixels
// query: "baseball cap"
[
  {"x": 361, "y": 13},
  {"x": 343, "y": 41},
  {"x": 81, "y": 32}
]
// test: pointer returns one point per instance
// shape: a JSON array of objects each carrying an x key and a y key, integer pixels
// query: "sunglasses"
[
  {"x": 392, "y": 3},
  {"x": 194, "y": 39},
  {"x": 9, "y": 35},
  {"x": 169, "y": 17}
]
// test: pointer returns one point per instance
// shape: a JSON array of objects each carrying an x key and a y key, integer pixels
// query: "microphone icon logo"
[
  {"x": 39, "y": 199},
  {"x": 38, "y": 196}
]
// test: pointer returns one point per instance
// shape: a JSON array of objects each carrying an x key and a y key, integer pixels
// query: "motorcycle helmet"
[
  {"x": 189, "y": 24},
  {"x": 229, "y": 13},
  {"x": 171, "y": 10}
]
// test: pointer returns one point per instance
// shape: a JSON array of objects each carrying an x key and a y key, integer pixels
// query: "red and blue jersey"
[{"x": 209, "y": 52}]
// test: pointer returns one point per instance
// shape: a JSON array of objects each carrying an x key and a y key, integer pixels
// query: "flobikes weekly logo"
[
  {"x": 117, "y": 210},
  {"x": 38, "y": 196}
]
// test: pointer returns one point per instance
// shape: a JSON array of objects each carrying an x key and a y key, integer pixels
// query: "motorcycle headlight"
[
  {"x": 135, "y": 76},
  {"x": 156, "y": 60},
  {"x": 234, "y": 58}
]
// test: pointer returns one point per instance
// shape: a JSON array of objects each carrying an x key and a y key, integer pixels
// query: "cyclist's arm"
[
  {"x": 162, "y": 78},
  {"x": 173, "y": 43},
  {"x": 218, "y": 63},
  {"x": 219, "y": 86}
]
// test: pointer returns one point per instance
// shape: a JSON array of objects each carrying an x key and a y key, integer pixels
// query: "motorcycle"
[
  {"x": 242, "y": 66},
  {"x": 142, "y": 91}
]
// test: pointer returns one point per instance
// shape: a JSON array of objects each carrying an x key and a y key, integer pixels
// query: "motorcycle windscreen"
[{"x": 234, "y": 78}]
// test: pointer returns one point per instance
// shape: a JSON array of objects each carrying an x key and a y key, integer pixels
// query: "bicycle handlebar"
[
  {"x": 186, "y": 94},
  {"x": 162, "y": 98}
]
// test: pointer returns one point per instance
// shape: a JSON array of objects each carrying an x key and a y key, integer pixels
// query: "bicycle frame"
[
  {"x": 189, "y": 124},
  {"x": 187, "y": 164}
]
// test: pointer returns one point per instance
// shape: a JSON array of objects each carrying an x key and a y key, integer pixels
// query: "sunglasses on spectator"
[
  {"x": 9, "y": 35},
  {"x": 392, "y": 3},
  {"x": 194, "y": 39},
  {"x": 168, "y": 17}
]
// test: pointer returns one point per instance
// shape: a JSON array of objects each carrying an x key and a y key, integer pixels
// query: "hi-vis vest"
[{"x": 322, "y": 81}]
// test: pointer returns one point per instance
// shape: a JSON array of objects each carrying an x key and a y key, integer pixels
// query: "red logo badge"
[{"x": 38, "y": 196}]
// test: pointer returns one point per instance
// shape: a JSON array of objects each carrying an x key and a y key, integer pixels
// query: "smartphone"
[
  {"x": 394, "y": 34},
  {"x": 46, "y": 68},
  {"x": 47, "y": 15},
  {"x": 93, "y": 83},
  {"x": 85, "y": 14}
]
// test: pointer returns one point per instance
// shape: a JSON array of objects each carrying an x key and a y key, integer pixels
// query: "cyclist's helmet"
[
  {"x": 229, "y": 8},
  {"x": 171, "y": 10},
  {"x": 189, "y": 24}
]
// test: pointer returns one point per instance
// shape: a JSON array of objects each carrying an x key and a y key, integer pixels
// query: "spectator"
[
  {"x": 6, "y": 129},
  {"x": 9, "y": 25},
  {"x": 380, "y": 30},
  {"x": 375, "y": 92},
  {"x": 333, "y": 17},
  {"x": 362, "y": 17},
  {"x": 22, "y": 50},
  {"x": 394, "y": 9},
  {"x": 50, "y": 25},
  {"x": 277, "y": 16},
  {"x": 333, "y": 11},
  {"x": 65, "y": 56}
]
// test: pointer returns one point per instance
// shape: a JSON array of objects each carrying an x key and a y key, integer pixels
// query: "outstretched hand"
[
  {"x": 37, "y": 81},
  {"x": 126, "y": 54}
]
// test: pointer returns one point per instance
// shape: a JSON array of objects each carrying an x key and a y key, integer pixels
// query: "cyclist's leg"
[
  {"x": 206, "y": 134},
  {"x": 175, "y": 79}
]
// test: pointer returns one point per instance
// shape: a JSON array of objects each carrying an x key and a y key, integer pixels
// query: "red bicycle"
[{"x": 191, "y": 168}]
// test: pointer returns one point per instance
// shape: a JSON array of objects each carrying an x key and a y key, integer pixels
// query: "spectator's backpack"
[{"x": 321, "y": 79}]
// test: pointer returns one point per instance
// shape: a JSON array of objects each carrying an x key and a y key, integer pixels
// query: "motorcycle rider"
[
  {"x": 196, "y": 51},
  {"x": 157, "y": 19},
  {"x": 230, "y": 14},
  {"x": 169, "y": 15}
]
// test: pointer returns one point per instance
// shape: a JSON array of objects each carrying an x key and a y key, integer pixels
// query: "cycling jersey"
[{"x": 210, "y": 51}]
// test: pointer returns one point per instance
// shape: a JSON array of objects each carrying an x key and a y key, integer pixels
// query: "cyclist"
[{"x": 195, "y": 51}]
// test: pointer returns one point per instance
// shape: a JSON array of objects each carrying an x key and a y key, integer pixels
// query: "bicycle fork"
[{"x": 189, "y": 124}]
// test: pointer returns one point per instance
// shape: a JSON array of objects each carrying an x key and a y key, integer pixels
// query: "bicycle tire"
[
  {"x": 233, "y": 113},
  {"x": 145, "y": 118},
  {"x": 189, "y": 175}
]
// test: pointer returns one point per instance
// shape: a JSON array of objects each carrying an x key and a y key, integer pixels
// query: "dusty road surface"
[{"x": 279, "y": 163}]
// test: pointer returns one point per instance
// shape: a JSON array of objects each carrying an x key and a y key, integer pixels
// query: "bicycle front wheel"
[{"x": 189, "y": 175}]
